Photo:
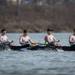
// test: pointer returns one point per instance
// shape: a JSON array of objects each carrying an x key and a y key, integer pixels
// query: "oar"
[{"x": 41, "y": 44}]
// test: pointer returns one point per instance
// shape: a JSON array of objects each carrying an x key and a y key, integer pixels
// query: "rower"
[
  {"x": 25, "y": 40},
  {"x": 50, "y": 39},
  {"x": 3, "y": 36},
  {"x": 72, "y": 38}
]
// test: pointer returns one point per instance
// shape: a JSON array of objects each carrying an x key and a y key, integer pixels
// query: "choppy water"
[{"x": 38, "y": 62}]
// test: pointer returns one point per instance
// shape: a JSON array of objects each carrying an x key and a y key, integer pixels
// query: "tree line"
[{"x": 56, "y": 14}]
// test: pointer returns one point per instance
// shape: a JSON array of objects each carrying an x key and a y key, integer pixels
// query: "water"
[{"x": 38, "y": 62}]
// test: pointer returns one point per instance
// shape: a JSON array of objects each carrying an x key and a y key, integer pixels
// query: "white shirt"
[
  {"x": 24, "y": 39},
  {"x": 3, "y": 38},
  {"x": 72, "y": 39},
  {"x": 50, "y": 38}
]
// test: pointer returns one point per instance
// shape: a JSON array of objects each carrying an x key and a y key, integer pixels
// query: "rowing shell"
[
  {"x": 38, "y": 47},
  {"x": 18, "y": 47}
]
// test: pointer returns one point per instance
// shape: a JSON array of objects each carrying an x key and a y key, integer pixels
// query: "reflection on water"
[{"x": 37, "y": 62}]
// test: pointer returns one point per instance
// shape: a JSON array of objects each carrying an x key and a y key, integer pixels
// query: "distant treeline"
[{"x": 56, "y": 14}]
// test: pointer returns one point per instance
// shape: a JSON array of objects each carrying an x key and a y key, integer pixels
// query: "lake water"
[{"x": 38, "y": 62}]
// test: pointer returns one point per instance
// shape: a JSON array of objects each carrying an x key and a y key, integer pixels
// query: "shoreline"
[{"x": 39, "y": 32}]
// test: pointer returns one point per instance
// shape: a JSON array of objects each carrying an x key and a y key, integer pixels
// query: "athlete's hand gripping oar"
[
  {"x": 10, "y": 43},
  {"x": 57, "y": 41}
]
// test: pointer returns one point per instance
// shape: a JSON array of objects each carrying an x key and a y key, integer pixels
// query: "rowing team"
[{"x": 24, "y": 39}]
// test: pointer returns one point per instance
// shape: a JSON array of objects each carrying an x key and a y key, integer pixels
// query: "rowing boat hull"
[
  {"x": 65, "y": 48},
  {"x": 68, "y": 48},
  {"x": 18, "y": 47}
]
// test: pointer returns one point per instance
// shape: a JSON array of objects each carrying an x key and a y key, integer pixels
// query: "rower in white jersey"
[
  {"x": 50, "y": 39},
  {"x": 3, "y": 36},
  {"x": 25, "y": 40},
  {"x": 72, "y": 38}
]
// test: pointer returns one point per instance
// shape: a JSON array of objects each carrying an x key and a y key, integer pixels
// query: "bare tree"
[
  {"x": 17, "y": 7},
  {"x": 3, "y": 2}
]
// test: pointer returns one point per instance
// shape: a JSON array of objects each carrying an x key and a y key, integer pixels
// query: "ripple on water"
[{"x": 37, "y": 62}]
